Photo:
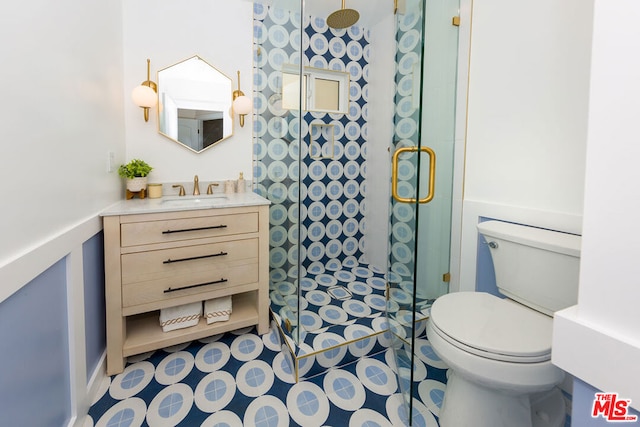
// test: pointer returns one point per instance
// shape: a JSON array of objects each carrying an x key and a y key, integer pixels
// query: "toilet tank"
[{"x": 536, "y": 267}]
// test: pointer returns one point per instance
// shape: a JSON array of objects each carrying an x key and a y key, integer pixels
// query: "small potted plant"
[{"x": 135, "y": 172}]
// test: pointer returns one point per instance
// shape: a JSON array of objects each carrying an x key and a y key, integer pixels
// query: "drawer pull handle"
[
  {"x": 169, "y": 261},
  {"x": 194, "y": 286},
  {"x": 194, "y": 229}
]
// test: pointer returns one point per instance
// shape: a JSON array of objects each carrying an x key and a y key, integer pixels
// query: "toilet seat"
[{"x": 492, "y": 327}]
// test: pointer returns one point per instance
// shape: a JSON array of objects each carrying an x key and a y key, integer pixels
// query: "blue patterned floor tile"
[{"x": 241, "y": 379}]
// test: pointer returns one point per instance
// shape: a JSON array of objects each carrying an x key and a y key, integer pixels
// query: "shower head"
[{"x": 343, "y": 18}]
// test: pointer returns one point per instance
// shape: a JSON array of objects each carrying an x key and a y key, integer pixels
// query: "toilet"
[{"x": 499, "y": 349}]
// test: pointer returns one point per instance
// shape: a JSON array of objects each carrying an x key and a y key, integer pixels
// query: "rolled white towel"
[
  {"x": 180, "y": 316},
  {"x": 217, "y": 309}
]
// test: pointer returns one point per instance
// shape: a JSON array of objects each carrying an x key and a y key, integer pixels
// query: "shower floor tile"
[
  {"x": 338, "y": 295},
  {"x": 342, "y": 315}
]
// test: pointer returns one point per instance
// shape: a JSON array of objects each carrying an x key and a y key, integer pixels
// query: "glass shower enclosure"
[{"x": 353, "y": 145}]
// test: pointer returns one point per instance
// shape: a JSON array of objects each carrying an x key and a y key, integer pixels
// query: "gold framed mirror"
[{"x": 194, "y": 104}]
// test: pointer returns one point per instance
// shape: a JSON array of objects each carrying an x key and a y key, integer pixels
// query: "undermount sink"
[{"x": 203, "y": 200}]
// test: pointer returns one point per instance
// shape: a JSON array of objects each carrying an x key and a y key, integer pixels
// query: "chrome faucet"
[{"x": 196, "y": 186}]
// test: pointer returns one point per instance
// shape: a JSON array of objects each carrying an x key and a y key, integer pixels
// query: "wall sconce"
[
  {"x": 145, "y": 96},
  {"x": 241, "y": 103}
]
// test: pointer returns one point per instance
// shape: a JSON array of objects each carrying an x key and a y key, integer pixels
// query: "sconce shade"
[
  {"x": 144, "y": 96},
  {"x": 242, "y": 105}
]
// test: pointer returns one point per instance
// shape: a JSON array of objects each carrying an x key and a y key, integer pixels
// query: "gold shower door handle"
[{"x": 432, "y": 174}]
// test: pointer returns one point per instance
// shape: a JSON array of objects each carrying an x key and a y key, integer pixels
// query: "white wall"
[
  {"x": 61, "y": 112},
  {"x": 603, "y": 328},
  {"x": 167, "y": 32},
  {"x": 611, "y": 227},
  {"x": 527, "y": 117}
]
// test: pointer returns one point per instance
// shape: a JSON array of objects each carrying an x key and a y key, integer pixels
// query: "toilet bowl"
[
  {"x": 494, "y": 369},
  {"x": 499, "y": 349}
]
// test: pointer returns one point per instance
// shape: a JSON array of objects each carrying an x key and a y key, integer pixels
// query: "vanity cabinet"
[{"x": 164, "y": 259}]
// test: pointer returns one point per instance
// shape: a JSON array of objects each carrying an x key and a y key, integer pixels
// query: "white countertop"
[{"x": 184, "y": 203}]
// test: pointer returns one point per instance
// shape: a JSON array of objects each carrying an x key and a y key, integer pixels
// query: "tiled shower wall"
[{"x": 333, "y": 190}]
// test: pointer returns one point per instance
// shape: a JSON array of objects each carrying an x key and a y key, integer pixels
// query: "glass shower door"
[
  {"x": 422, "y": 171},
  {"x": 278, "y": 131}
]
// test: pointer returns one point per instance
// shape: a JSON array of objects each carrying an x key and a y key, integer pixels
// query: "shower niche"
[{"x": 321, "y": 141}]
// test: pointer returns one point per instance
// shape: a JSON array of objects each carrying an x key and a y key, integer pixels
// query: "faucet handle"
[
  {"x": 209, "y": 189},
  {"x": 182, "y": 192}
]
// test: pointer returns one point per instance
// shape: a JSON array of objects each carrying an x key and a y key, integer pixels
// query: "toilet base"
[
  {"x": 468, "y": 404},
  {"x": 548, "y": 409}
]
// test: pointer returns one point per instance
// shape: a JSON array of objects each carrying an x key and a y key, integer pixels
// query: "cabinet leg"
[
  {"x": 116, "y": 331},
  {"x": 263, "y": 322},
  {"x": 263, "y": 312},
  {"x": 115, "y": 365},
  {"x": 115, "y": 340},
  {"x": 263, "y": 327}
]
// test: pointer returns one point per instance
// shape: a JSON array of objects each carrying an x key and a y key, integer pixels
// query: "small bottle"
[
  {"x": 229, "y": 186},
  {"x": 240, "y": 187}
]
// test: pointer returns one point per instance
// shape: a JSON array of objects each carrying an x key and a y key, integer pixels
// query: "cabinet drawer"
[
  {"x": 180, "y": 264},
  {"x": 167, "y": 289},
  {"x": 171, "y": 230}
]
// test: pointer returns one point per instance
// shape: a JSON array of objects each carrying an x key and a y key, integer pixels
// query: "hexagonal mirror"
[{"x": 194, "y": 104}]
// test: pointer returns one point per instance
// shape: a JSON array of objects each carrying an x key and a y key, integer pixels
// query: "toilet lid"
[{"x": 497, "y": 328}]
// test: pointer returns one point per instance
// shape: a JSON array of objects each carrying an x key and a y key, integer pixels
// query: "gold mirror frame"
[{"x": 194, "y": 104}]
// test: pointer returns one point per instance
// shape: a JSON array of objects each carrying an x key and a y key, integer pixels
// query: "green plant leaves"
[{"x": 135, "y": 168}]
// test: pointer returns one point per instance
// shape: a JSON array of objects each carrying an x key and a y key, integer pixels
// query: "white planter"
[{"x": 137, "y": 184}]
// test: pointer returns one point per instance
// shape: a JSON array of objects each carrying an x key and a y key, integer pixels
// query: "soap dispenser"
[{"x": 240, "y": 187}]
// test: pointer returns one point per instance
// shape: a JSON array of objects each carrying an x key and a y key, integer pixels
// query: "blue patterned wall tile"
[{"x": 324, "y": 195}]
